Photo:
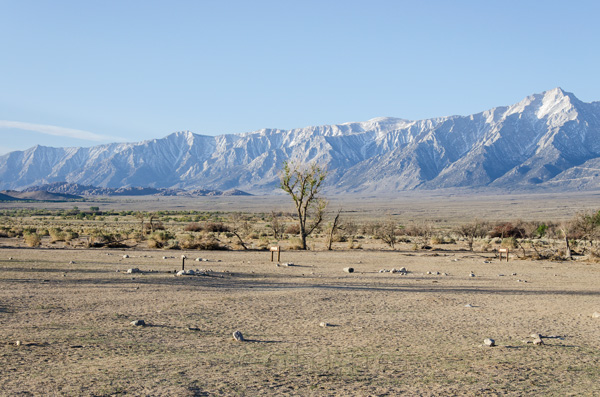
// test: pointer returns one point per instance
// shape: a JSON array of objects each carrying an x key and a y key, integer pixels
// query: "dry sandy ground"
[{"x": 390, "y": 334}]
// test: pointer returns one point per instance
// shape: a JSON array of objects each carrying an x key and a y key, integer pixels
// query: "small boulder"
[
  {"x": 181, "y": 273},
  {"x": 133, "y": 270},
  {"x": 138, "y": 323},
  {"x": 237, "y": 335},
  {"x": 596, "y": 315},
  {"x": 125, "y": 256},
  {"x": 324, "y": 324},
  {"x": 349, "y": 269},
  {"x": 471, "y": 275},
  {"x": 489, "y": 342}
]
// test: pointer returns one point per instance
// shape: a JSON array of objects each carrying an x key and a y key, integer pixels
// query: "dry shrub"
[
  {"x": 194, "y": 227},
  {"x": 507, "y": 229},
  {"x": 292, "y": 229},
  {"x": 435, "y": 240},
  {"x": 509, "y": 242},
  {"x": 216, "y": 227},
  {"x": 56, "y": 234},
  {"x": 354, "y": 245},
  {"x": 295, "y": 244},
  {"x": 32, "y": 239}
]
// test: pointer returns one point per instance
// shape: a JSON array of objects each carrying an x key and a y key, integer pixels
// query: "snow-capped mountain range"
[{"x": 547, "y": 141}]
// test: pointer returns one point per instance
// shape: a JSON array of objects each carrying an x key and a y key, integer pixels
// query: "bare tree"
[
  {"x": 388, "y": 233},
  {"x": 303, "y": 184},
  {"x": 333, "y": 227},
  {"x": 239, "y": 225},
  {"x": 473, "y": 230},
  {"x": 277, "y": 225}
]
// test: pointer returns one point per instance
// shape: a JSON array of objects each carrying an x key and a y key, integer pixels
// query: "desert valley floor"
[{"x": 66, "y": 314}]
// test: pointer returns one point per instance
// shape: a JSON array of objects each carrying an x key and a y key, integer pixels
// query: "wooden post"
[
  {"x": 501, "y": 251},
  {"x": 273, "y": 250},
  {"x": 183, "y": 262}
]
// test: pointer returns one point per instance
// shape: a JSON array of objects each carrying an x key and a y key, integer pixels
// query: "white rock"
[
  {"x": 181, "y": 273},
  {"x": 349, "y": 269},
  {"x": 18, "y": 343},
  {"x": 489, "y": 342},
  {"x": 198, "y": 259},
  {"x": 324, "y": 324},
  {"x": 471, "y": 275},
  {"x": 596, "y": 315},
  {"x": 237, "y": 335},
  {"x": 125, "y": 256},
  {"x": 469, "y": 305},
  {"x": 138, "y": 323},
  {"x": 133, "y": 270}
]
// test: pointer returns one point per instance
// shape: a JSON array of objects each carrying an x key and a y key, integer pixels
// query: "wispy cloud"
[{"x": 58, "y": 131}]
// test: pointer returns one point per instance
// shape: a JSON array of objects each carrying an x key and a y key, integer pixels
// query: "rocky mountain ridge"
[{"x": 547, "y": 141}]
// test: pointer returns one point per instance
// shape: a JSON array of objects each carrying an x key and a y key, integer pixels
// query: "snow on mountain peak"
[{"x": 557, "y": 104}]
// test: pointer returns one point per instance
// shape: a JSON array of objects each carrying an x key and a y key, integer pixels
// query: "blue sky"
[{"x": 80, "y": 73}]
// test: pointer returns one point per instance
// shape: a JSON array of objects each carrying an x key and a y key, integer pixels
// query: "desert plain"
[{"x": 310, "y": 328}]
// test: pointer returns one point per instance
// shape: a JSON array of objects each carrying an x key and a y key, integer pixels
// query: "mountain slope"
[{"x": 547, "y": 141}]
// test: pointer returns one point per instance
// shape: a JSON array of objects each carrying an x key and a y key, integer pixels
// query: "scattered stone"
[
  {"x": 71, "y": 262},
  {"x": 469, "y": 305},
  {"x": 538, "y": 341},
  {"x": 277, "y": 264},
  {"x": 489, "y": 342},
  {"x": 133, "y": 270},
  {"x": 324, "y": 324},
  {"x": 444, "y": 274},
  {"x": 403, "y": 270},
  {"x": 428, "y": 272},
  {"x": 204, "y": 260},
  {"x": 18, "y": 343},
  {"x": 125, "y": 256},
  {"x": 349, "y": 269},
  {"x": 164, "y": 257},
  {"x": 10, "y": 258},
  {"x": 237, "y": 335},
  {"x": 181, "y": 273},
  {"x": 535, "y": 336},
  {"x": 596, "y": 315},
  {"x": 487, "y": 262},
  {"x": 382, "y": 271},
  {"x": 138, "y": 323},
  {"x": 198, "y": 259},
  {"x": 471, "y": 275},
  {"x": 288, "y": 264},
  {"x": 514, "y": 274}
]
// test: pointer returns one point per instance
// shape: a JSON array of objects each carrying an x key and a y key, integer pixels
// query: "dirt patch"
[{"x": 390, "y": 333}]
